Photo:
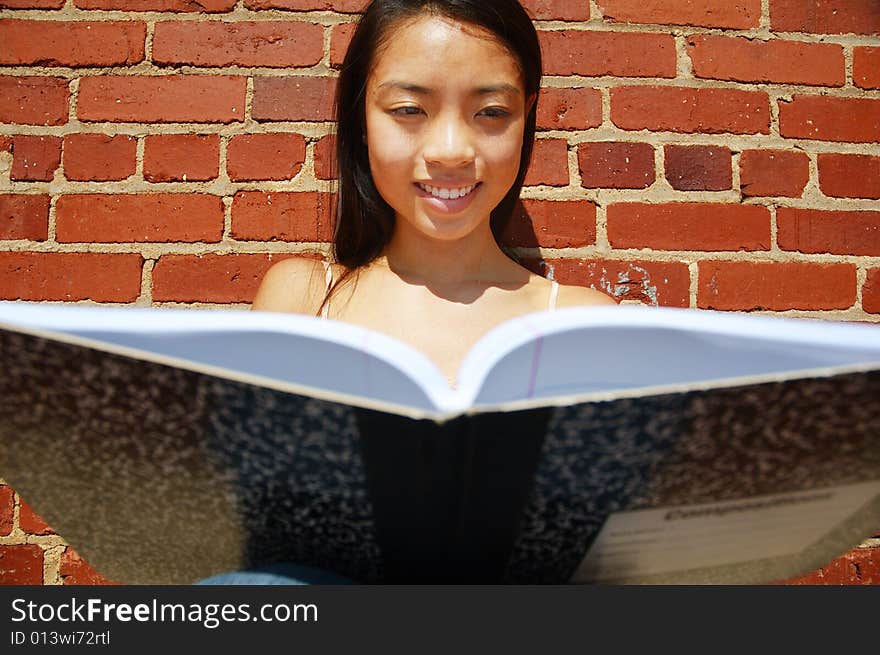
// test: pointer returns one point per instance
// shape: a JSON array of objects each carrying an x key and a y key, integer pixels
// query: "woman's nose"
[{"x": 448, "y": 143}]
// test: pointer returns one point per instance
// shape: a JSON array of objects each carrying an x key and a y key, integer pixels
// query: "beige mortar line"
[
  {"x": 71, "y": 13},
  {"x": 606, "y": 109},
  {"x": 774, "y": 243},
  {"x": 73, "y": 87},
  {"x": 52, "y": 563},
  {"x": 574, "y": 173},
  {"x": 694, "y": 277},
  {"x": 778, "y": 88},
  {"x": 325, "y": 56},
  {"x": 735, "y": 180},
  {"x": 820, "y": 314},
  {"x": 227, "y": 219},
  {"x": 306, "y": 128},
  {"x": 148, "y": 44},
  {"x": 148, "y": 69},
  {"x": 50, "y": 238},
  {"x": 683, "y": 64},
  {"x": 811, "y": 191},
  {"x": 145, "y": 298},
  {"x": 861, "y": 278},
  {"x": 202, "y": 305},
  {"x": 140, "y": 148},
  {"x": 848, "y": 67},
  {"x": 758, "y": 256},
  {"x": 764, "y": 20},
  {"x": 596, "y": 12},
  {"x": 602, "y": 246},
  {"x": 774, "y": 114},
  {"x": 249, "y": 102}
]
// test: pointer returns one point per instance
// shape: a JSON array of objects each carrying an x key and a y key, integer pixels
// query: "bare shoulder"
[
  {"x": 577, "y": 296},
  {"x": 293, "y": 285}
]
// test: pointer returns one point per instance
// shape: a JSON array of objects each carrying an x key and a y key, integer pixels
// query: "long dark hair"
[{"x": 364, "y": 221}]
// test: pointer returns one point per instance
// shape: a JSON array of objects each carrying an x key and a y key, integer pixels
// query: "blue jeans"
[{"x": 277, "y": 574}]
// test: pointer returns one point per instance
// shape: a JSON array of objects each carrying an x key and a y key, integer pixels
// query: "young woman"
[{"x": 436, "y": 110}]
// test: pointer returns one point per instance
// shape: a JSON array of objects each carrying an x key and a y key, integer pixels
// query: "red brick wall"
[{"x": 717, "y": 154}]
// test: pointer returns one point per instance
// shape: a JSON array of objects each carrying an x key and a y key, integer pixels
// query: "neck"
[{"x": 440, "y": 263}]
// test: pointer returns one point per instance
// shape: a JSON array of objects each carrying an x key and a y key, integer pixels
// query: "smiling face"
[{"x": 445, "y": 112}]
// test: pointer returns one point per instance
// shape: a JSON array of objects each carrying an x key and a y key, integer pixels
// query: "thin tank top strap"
[
  {"x": 328, "y": 280},
  {"x": 554, "y": 291}
]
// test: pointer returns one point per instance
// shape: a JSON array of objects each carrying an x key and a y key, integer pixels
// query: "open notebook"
[{"x": 626, "y": 444}]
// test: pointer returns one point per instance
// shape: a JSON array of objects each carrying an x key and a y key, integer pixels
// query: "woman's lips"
[{"x": 457, "y": 198}]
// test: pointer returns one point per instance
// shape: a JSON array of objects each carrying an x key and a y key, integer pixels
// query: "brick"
[
  {"x": 689, "y": 226},
  {"x": 293, "y": 98},
  {"x": 35, "y": 158},
  {"x": 181, "y": 157},
  {"x": 621, "y": 54},
  {"x": 74, "y": 570},
  {"x": 139, "y": 218},
  {"x": 60, "y": 43},
  {"x": 24, "y": 216},
  {"x": 751, "y": 60},
  {"x": 551, "y": 224},
  {"x": 557, "y": 9},
  {"x": 340, "y": 37},
  {"x": 21, "y": 564},
  {"x": 773, "y": 173},
  {"x": 859, "y": 566},
  {"x": 569, "y": 109},
  {"x": 549, "y": 163},
  {"x": 823, "y": 231},
  {"x": 162, "y": 99},
  {"x": 825, "y": 16},
  {"x": 70, "y": 276},
  {"x": 775, "y": 286},
  {"x": 616, "y": 165},
  {"x": 866, "y": 67},
  {"x": 819, "y": 117},
  {"x": 739, "y": 14},
  {"x": 265, "y": 156},
  {"x": 210, "y": 278},
  {"x": 7, "y": 509},
  {"x": 282, "y": 216},
  {"x": 871, "y": 292},
  {"x": 325, "y": 157},
  {"x": 31, "y": 4},
  {"x": 651, "y": 283},
  {"x": 30, "y": 100},
  {"x": 99, "y": 157},
  {"x": 278, "y": 44},
  {"x": 31, "y": 522},
  {"x": 849, "y": 176},
  {"x": 679, "y": 109},
  {"x": 206, "y": 6},
  {"x": 341, "y": 6},
  {"x": 698, "y": 168}
]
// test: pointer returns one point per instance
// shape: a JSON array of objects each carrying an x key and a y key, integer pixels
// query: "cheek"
[
  {"x": 503, "y": 156},
  {"x": 390, "y": 151}
]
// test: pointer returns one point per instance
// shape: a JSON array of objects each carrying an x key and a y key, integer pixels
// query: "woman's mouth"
[
  {"x": 447, "y": 193},
  {"x": 448, "y": 199}
]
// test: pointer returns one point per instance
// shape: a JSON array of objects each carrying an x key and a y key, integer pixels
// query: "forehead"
[{"x": 433, "y": 51}]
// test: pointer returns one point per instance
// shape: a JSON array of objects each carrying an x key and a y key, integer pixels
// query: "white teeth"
[{"x": 446, "y": 193}]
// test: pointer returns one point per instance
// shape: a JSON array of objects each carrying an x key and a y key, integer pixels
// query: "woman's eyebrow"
[{"x": 502, "y": 87}]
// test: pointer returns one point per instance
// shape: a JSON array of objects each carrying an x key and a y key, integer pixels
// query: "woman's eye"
[
  {"x": 409, "y": 110},
  {"x": 494, "y": 112}
]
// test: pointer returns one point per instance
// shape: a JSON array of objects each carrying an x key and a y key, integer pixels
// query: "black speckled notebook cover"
[{"x": 160, "y": 475}]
